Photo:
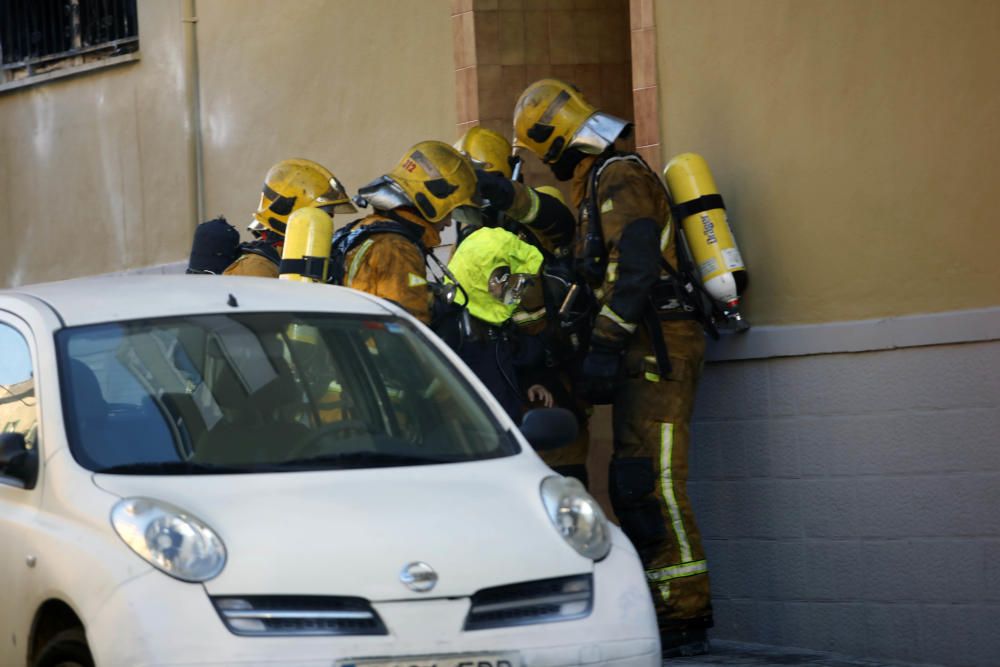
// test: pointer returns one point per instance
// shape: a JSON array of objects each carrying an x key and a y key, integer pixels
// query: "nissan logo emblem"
[{"x": 418, "y": 576}]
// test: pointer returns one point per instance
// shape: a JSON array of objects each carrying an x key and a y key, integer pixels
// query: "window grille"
[{"x": 39, "y": 36}]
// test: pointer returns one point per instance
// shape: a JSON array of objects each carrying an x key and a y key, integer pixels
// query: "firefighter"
[
  {"x": 539, "y": 216},
  {"x": 496, "y": 268},
  {"x": 645, "y": 351},
  {"x": 386, "y": 252},
  {"x": 288, "y": 186},
  {"x": 536, "y": 216}
]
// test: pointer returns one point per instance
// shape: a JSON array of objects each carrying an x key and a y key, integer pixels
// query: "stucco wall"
[
  {"x": 95, "y": 171},
  {"x": 847, "y": 500},
  {"x": 350, "y": 84},
  {"x": 855, "y": 143},
  {"x": 94, "y": 168}
]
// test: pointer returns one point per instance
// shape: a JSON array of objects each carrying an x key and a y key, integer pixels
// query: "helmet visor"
[
  {"x": 341, "y": 207},
  {"x": 468, "y": 216},
  {"x": 598, "y": 132},
  {"x": 383, "y": 193},
  {"x": 335, "y": 200}
]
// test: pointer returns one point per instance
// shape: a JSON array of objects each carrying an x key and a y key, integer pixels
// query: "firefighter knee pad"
[
  {"x": 574, "y": 470},
  {"x": 630, "y": 480},
  {"x": 638, "y": 235},
  {"x": 632, "y": 487}
]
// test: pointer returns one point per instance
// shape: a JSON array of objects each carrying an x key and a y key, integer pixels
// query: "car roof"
[{"x": 94, "y": 300}]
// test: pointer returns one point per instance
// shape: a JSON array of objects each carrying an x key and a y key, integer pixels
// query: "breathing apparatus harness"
[
  {"x": 263, "y": 246},
  {"x": 353, "y": 234},
  {"x": 446, "y": 310},
  {"x": 677, "y": 296}
]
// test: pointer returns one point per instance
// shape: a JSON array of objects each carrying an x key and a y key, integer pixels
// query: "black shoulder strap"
[
  {"x": 411, "y": 230},
  {"x": 594, "y": 258},
  {"x": 262, "y": 248},
  {"x": 354, "y": 234}
]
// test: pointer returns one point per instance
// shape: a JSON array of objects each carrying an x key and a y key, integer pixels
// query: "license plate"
[{"x": 465, "y": 660}]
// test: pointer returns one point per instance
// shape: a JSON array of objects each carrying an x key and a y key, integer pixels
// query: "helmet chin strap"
[
  {"x": 564, "y": 167},
  {"x": 273, "y": 238}
]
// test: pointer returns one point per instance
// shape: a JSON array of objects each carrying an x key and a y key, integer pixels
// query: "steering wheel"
[{"x": 311, "y": 440}]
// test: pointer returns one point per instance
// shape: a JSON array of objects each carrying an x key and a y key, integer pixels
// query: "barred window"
[{"x": 38, "y": 37}]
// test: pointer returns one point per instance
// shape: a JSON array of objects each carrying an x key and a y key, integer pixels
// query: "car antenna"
[{"x": 232, "y": 301}]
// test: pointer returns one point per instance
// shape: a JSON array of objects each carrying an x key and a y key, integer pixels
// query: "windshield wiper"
[
  {"x": 365, "y": 460},
  {"x": 173, "y": 468}
]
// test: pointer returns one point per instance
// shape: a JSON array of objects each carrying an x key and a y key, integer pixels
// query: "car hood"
[{"x": 351, "y": 532}]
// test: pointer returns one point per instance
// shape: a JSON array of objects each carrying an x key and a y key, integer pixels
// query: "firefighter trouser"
[{"x": 648, "y": 476}]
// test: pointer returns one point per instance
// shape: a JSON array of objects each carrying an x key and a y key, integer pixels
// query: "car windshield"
[{"x": 264, "y": 392}]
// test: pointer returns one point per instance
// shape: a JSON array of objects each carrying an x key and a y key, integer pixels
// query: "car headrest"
[{"x": 88, "y": 400}]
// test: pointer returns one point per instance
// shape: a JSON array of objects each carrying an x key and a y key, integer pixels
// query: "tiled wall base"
[{"x": 849, "y": 502}]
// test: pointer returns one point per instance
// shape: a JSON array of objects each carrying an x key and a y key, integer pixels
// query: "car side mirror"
[
  {"x": 17, "y": 460},
  {"x": 549, "y": 428}
]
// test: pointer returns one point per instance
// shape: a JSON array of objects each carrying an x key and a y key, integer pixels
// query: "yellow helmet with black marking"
[
  {"x": 432, "y": 177},
  {"x": 552, "y": 116},
  {"x": 488, "y": 150},
  {"x": 294, "y": 184}
]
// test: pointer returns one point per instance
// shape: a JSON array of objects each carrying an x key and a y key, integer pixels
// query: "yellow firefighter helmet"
[
  {"x": 488, "y": 150},
  {"x": 294, "y": 184},
  {"x": 551, "y": 116},
  {"x": 432, "y": 176}
]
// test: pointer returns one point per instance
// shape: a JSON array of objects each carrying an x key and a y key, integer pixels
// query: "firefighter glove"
[
  {"x": 497, "y": 188},
  {"x": 601, "y": 374}
]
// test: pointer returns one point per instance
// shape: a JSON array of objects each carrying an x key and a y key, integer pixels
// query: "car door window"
[{"x": 18, "y": 404}]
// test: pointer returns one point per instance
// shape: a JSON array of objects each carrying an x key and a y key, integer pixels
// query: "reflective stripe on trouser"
[{"x": 652, "y": 436}]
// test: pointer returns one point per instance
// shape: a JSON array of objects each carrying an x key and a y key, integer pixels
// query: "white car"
[{"x": 209, "y": 470}]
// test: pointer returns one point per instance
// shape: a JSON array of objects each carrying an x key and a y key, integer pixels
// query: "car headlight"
[
  {"x": 577, "y": 516},
  {"x": 169, "y": 539}
]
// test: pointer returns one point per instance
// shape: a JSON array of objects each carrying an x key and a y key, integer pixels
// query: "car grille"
[
  {"x": 543, "y": 601},
  {"x": 298, "y": 615}
]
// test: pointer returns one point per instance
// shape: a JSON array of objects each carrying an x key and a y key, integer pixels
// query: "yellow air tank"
[
  {"x": 699, "y": 208},
  {"x": 306, "y": 254}
]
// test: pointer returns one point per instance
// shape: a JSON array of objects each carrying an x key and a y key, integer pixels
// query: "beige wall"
[
  {"x": 95, "y": 173},
  {"x": 94, "y": 169},
  {"x": 351, "y": 84},
  {"x": 855, "y": 141}
]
